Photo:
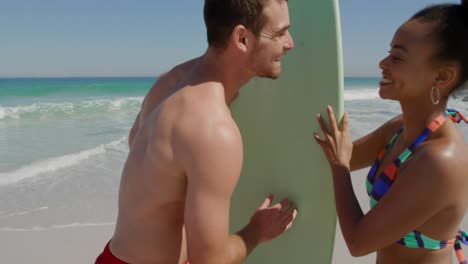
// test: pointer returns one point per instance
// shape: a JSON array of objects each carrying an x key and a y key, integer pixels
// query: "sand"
[{"x": 81, "y": 245}]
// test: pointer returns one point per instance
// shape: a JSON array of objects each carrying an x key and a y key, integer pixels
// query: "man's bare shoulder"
[
  {"x": 204, "y": 120},
  {"x": 206, "y": 115},
  {"x": 164, "y": 82},
  {"x": 176, "y": 73}
]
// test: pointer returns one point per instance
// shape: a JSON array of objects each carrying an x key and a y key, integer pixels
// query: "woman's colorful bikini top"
[{"x": 376, "y": 188}]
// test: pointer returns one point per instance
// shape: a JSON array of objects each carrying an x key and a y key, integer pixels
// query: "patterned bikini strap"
[
  {"x": 456, "y": 116},
  {"x": 462, "y": 236}
]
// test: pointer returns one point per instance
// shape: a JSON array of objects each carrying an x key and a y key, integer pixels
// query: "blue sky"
[{"x": 57, "y": 38}]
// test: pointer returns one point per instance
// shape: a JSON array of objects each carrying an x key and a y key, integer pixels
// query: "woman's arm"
[{"x": 402, "y": 209}]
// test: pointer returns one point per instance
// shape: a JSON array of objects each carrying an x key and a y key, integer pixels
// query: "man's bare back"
[{"x": 153, "y": 184}]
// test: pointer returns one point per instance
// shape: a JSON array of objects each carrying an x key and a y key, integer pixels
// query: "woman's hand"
[{"x": 337, "y": 144}]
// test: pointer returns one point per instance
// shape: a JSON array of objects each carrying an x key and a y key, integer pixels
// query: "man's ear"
[{"x": 240, "y": 37}]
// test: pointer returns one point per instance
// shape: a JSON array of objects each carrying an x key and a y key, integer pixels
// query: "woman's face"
[{"x": 409, "y": 71}]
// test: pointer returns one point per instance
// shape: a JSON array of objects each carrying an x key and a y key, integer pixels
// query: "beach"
[
  {"x": 63, "y": 143},
  {"x": 81, "y": 244}
]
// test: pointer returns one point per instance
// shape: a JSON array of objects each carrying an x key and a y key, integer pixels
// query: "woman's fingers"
[
  {"x": 344, "y": 122},
  {"x": 331, "y": 117},
  {"x": 318, "y": 139},
  {"x": 322, "y": 124}
]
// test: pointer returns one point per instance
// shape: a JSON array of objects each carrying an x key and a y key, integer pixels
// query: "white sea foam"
[
  {"x": 361, "y": 94},
  {"x": 49, "y": 165},
  {"x": 43, "y": 208},
  {"x": 42, "y": 109}
]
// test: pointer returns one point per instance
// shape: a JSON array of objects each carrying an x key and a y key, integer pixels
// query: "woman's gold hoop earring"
[{"x": 437, "y": 100}]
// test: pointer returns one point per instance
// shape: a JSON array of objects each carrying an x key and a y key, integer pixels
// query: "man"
[{"x": 186, "y": 150}]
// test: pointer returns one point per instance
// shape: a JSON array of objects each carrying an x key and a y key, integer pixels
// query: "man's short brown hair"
[{"x": 221, "y": 16}]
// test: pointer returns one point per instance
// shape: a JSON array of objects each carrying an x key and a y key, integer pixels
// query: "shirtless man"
[{"x": 186, "y": 150}]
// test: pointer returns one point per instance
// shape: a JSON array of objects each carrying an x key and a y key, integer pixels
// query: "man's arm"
[{"x": 213, "y": 161}]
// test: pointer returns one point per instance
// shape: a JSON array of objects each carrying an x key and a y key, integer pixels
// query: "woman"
[{"x": 418, "y": 185}]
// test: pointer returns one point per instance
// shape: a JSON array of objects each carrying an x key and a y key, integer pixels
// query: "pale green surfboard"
[{"x": 277, "y": 120}]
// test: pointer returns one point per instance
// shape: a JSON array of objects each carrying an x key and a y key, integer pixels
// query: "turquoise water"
[
  {"x": 50, "y": 117},
  {"x": 63, "y": 143},
  {"x": 65, "y": 87},
  {"x": 360, "y": 82}
]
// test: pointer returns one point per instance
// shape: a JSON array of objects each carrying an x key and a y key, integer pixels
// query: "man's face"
[{"x": 273, "y": 41}]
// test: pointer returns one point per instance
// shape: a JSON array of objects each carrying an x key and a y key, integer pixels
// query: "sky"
[{"x": 70, "y": 38}]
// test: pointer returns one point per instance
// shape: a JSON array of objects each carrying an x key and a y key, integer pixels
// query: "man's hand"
[{"x": 268, "y": 222}]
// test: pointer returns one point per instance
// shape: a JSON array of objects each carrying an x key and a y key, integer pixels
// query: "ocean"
[{"x": 63, "y": 143}]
